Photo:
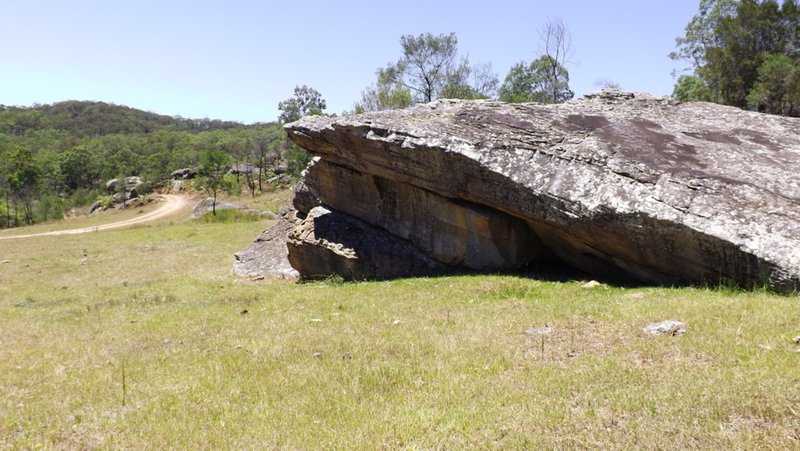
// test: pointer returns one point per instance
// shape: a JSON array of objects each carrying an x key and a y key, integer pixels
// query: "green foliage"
[
  {"x": 22, "y": 177},
  {"x": 428, "y": 69},
  {"x": 105, "y": 201},
  {"x": 545, "y": 79},
  {"x": 386, "y": 94},
  {"x": 470, "y": 82},
  {"x": 519, "y": 85},
  {"x": 777, "y": 87},
  {"x": 297, "y": 159},
  {"x": 691, "y": 88},
  {"x": 231, "y": 186},
  {"x": 306, "y": 101},
  {"x": 214, "y": 166},
  {"x": 745, "y": 53},
  {"x": 97, "y": 119},
  {"x": 83, "y": 196},
  {"x": 700, "y": 32},
  {"x": 425, "y": 63},
  {"x": 50, "y": 207},
  {"x": 534, "y": 83},
  {"x": 78, "y": 169},
  {"x": 70, "y": 149}
]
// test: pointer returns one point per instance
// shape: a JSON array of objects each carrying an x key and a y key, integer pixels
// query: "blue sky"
[{"x": 235, "y": 60}]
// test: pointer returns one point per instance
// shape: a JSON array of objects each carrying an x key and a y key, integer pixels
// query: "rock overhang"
[{"x": 660, "y": 191}]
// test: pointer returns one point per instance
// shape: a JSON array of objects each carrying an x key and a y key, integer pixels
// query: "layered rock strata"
[{"x": 614, "y": 183}]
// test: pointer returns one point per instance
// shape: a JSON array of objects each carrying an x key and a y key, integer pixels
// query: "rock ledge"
[{"x": 614, "y": 184}]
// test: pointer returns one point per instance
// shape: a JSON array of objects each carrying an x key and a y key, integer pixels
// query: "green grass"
[
  {"x": 209, "y": 361},
  {"x": 230, "y": 215}
]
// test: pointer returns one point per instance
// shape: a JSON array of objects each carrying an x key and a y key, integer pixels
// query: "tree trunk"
[
  {"x": 8, "y": 211},
  {"x": 16, "y": 212}
]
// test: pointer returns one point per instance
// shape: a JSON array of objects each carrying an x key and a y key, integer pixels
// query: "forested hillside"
[
  {"x": 97, "y": 118},
  {"x": 54, "y": 157}
]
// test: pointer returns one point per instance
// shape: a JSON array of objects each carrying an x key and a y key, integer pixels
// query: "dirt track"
[{"x": 172, "y": 205}]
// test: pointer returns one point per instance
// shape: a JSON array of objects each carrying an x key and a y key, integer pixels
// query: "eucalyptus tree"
[
  {"x": 306, "y": 101},
  {"x": 429, "y": 68},
  {"x": 744, "y": 53},
  {"x": 535, "y": 82},
  {"x": 545, "y": 79},
  {"x": 214, "y": 166}
]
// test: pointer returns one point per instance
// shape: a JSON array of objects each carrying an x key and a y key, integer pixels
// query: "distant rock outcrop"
[
  {"x": 183, "y": 174},
  {"x": 131, "y": 183},
  {"x": 206, "y": 205},
  {"x": 129, "y": 190},
  {"x": 614, "y": 184}
]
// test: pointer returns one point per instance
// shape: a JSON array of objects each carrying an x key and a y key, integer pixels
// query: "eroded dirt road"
[{"x": 172, "y": 205}]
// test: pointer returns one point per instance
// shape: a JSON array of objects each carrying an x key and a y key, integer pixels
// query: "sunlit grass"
[
  {"x": 271, "y": 199},
  {"x": 213, "y": 362},
  {"x": 230, "y": 215}
]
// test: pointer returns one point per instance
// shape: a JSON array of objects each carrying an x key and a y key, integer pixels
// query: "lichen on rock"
[{"x": 613, "y": 183}]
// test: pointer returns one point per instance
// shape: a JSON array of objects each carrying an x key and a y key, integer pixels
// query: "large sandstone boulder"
[{"x": 614, "y": 184}]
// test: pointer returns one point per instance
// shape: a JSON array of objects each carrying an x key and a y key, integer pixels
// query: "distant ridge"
[{"x": 87, "y": 118}]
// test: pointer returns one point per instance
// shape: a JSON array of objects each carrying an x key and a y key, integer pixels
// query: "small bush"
[
  {"x": 105, "y": 201},
  {"x": 146, "y": 187},
  {"x": 49, "y": 207},
  {"x": 84, "y": 197}
]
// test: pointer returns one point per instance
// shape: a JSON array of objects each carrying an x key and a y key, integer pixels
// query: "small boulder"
[
  {"x": 540, "y": 330},
  {"x": 243, "y": 169},
  {"x": 133, "y": 182},
  {"x": 112, "y": 184},
  {"x": 183, "y": 174},
  {"x": 92, "y": 208},
  {"x": 592, "y": 284},
  {"x": 266, "y": 257},
  {"x": 176, "y": 186},
  {"x": 206, "y": 205},
  {"x": 669, "y": 327}
]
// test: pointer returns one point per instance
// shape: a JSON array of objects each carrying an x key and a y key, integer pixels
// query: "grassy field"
[{"x": 141, "y": 338}]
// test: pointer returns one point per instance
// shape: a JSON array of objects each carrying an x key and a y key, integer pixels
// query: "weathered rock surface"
[
  {"x": 183, "y": 174},
  {"x": 614, "y": 183},
  {"x": 331, "y": 242},
  {"x": 131, "y": 183},
  {"x": 267, "y": 256},
  {"x": 94, "y": 207},
  {"x": 669, "y": 327},
  {"x": 458, "y": 233}
]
